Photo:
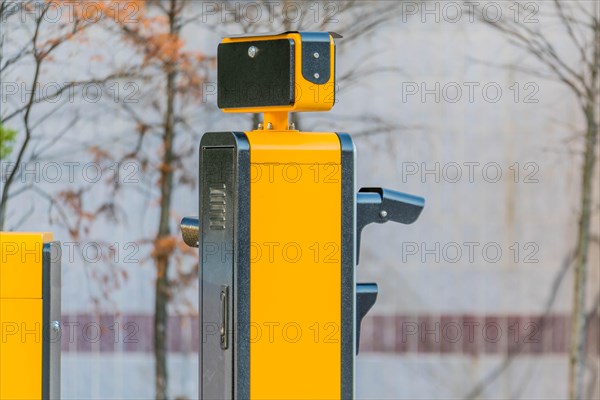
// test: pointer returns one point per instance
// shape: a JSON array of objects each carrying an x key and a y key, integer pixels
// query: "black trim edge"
[{"x": 348, "y": 256}]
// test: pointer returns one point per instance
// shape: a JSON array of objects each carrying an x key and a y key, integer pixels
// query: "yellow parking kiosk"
[
  {"x": 278, "y": 229},
  {"x": 29, "y": 316}
]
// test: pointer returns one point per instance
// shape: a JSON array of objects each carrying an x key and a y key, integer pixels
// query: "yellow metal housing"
[
  {"x": 295, "y": 265},
  {"x": 21, "y": 314}
]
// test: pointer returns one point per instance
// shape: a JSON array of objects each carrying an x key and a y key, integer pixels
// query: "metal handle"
[
  {"x": 224, "y": 316},
  {"x": 190, "y": 231}
]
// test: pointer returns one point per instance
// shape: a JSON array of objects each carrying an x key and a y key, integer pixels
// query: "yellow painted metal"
[
  {"x": 21, "y": 349},
  {"x": 278, "y": 120},
  {"x": 21, "y": 319},
  {"x": 21, "y": 264},
  {"x": 295, "y": 271},
  {"x": 308, "y": 96}
]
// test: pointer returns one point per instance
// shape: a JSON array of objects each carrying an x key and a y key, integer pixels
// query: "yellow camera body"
[{"x": 288, "y": 72}]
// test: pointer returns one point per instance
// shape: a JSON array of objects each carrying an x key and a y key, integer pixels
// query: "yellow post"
[
  {"x": 278, "y": 230},
  {"x": 29, "y": 316},
  {"x": 277, "y": 121}
]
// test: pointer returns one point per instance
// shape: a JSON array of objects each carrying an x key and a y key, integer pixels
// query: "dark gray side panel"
[
  {"x": 348, "y": 281},
  {"x": 217, "y": 208},
  {"x": 51, "y": 310},
  {"x": 224, "y": 265}
]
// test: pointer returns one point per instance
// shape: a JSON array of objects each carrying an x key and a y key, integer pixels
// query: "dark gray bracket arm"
[
  {"x": 366, "y": 295},
  {"x": 382, "y": 205}
]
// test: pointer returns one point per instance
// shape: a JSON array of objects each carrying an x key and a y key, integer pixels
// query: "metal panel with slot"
[{"x": 217, "y": 269}]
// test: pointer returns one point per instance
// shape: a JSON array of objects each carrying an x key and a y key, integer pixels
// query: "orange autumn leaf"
[
  {"x": 164, "y": 246},
  {"x": 98, "y": 153}
]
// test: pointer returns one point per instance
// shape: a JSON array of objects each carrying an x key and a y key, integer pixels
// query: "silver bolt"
[
  {"x": 55, "y": 325},
  {"x": 269, "y": 125},
  {"x": 252, "y": 50},
  {"x": 292, "y": 126},
  {"x": 261, "y": 126},
  {"x": 316, "y": 75},
  {"x": 316, "y": 55},
  {"x": 383, "y": 214}
]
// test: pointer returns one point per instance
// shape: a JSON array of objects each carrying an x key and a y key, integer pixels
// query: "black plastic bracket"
[
  {"x": 316, "y": 57},
  {"x": 366, "y": 295},
  {"x": 382, "y": 205}
]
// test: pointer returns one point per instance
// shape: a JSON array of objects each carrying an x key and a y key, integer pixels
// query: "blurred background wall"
[{"x": 475, "y": 298}]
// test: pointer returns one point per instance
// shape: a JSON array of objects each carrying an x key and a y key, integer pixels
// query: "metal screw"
[
  {"x": 261, "y": 126},
  {"x": 316, "y": 75},
  {"x": 292, "y": 126},
  {"x": 316, "y": 55},
  {"x": 269, "y": 125},
  {"x": 252, "y": 50},
  {"x": 383, "y": 214},
  {"x": 55, "y": 325}
]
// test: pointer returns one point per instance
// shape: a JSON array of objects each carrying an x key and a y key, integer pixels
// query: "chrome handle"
[
  {"x": 190, "y": 231},
  {"x": 224, "y": 316}
]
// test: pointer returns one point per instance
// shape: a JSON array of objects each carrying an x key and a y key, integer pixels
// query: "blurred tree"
[
  {"x": 171, "y": 79},
  {"x": 532, "y": 27},
  {"x": 29, "y": 40}
]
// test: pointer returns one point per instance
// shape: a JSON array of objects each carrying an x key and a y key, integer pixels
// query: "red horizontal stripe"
[{"x": 434, "y": 334}]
